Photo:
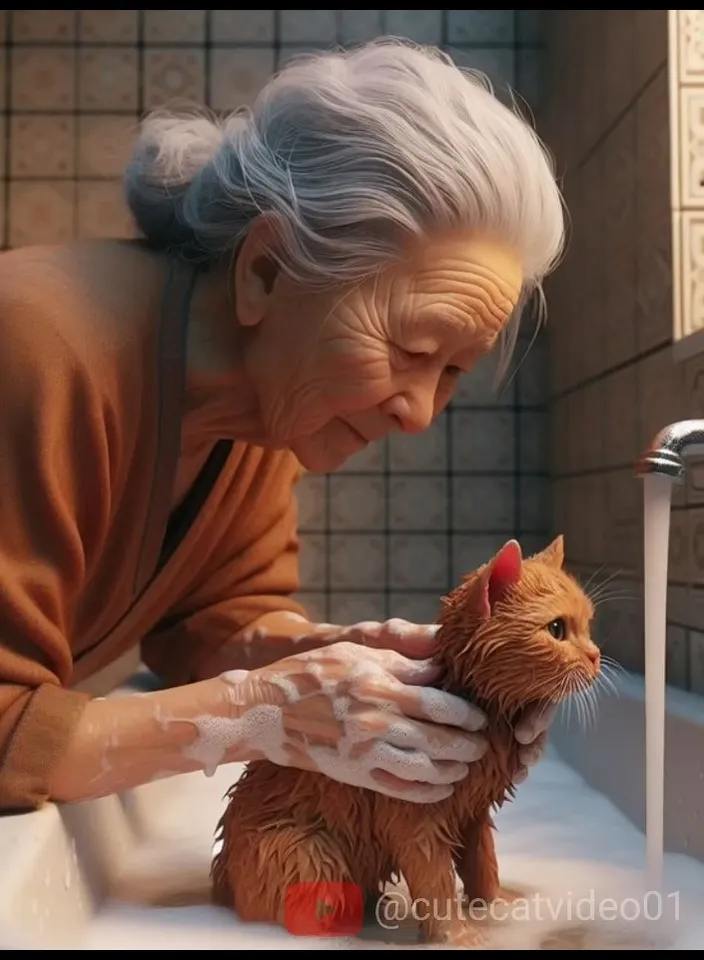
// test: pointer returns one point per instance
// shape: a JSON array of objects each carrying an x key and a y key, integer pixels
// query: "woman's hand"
[
  {"x": 418, "y": 640},
  {"x": 362, "y": 716}
]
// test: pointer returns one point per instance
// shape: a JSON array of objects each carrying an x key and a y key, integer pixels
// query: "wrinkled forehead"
[{"x": 456, "y": 277}]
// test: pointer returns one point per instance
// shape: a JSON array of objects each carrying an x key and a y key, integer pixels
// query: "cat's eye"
[{"x": 558, "y": 629}]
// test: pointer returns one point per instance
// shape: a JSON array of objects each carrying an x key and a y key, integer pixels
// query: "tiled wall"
[
  {"x": 613, "y": 379},
  {"x": 398, "y": 527}
]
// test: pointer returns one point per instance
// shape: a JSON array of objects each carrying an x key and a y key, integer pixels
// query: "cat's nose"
[{"x": 594, "y": 654}]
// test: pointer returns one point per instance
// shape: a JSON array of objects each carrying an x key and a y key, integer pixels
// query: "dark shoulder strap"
[{"x": 173, "y": 328}]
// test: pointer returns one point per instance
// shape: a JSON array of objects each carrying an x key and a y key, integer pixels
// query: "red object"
[{"x": 324, "y": 909}]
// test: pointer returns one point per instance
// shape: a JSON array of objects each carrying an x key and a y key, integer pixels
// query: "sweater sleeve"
[
  {"x": 54, "y": 496},
  {"x": 252, "y": 571}
]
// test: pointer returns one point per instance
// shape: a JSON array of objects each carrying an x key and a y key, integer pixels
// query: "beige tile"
[
  {"x": 105, "y": 144},
  {"x": 691, "y": 175},
  {"x": 311, "y": 494},
  {"x": 421, "y": 453},
  {"x": 691, "y": 45},
  {"x": 349, "y": 608},
  {"x": 418, "y": 503},
  {"x": 43, "y": 78},
  {"x": 108, "y": 79},
  {"x": 42, "y": 146},
  {"x": 694, "y": 486},
  {"x": 237, "y": 76},
  {"x": 43, "y": 26},
  {"x": 174, "y": 26},
  {"x": 41, "y": 212},
  {"x": 692, "y": 239},
  {"x": 108, "y": 26},
  {"x": 173, "y": 74},
  {"x": 483, "y": 504},
  {"x": 242, "y": 26},
  {"x": 418, "y": 561},
  {"x": 313, "y": 562},
  {"x": 357, "y": 503},
  {"x": 102, "y": 211},
  {"x": 357, "y": 561},
  {"x": 416, "y": 607}
]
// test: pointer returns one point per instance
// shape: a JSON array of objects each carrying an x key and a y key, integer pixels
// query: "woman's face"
[{"x": 338, "y": 370}]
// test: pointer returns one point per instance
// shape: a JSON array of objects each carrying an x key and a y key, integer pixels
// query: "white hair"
[{"x": 352, "y": 153}]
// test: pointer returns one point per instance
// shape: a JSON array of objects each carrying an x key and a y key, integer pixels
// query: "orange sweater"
[{"x": 90, "y": 411}]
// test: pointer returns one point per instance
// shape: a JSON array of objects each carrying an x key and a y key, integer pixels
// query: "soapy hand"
[
  {"x": 418, "y": 640},
  {"x": 359, "y": 715}
]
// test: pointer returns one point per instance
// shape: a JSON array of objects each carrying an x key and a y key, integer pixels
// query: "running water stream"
[{"x": 657, "y": 494}]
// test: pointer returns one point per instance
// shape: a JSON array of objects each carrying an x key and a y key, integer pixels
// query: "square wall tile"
[
  {"x": 308, "y": 26},
  {"x": 483, "y": 441},
  {"x": 173, "y": 73},
  {"x": 43, "y": 26},
  {"x": 416, "y": 607},
  {"x": 418, "y": 561},
  {"x": 357, "y": 561},
  {"x": 423, "y": 26},
  {"x": 481, "y": 26},
  {"x": 359, "y": 25},
  {"x": 42, "y": 146},
  {"x": 357, "y": 503},
  {"x": 242, "y": 26},
  {"x": 237, "y": 75},
  {"x": 483, "y": 504},
  {"x": 108, "y": 79},
  {"x": 174, "y": 26},
  {"x": 421, "y": 453},
  {"x": 350, "y": 608},
  {"x": 43, "y": 78},
  {"x": 418, "y": 503},
  {"x": 107, "y": 26},
  {"x": 41, "y": 212}
]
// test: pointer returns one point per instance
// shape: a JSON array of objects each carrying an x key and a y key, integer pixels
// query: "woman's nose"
[{"x": 414, "y": 413}]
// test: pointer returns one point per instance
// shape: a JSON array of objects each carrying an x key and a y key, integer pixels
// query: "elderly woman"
[{"x": 311, "y": 278}]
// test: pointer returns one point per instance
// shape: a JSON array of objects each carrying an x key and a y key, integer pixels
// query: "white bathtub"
[{"x": 57, "y": 866}]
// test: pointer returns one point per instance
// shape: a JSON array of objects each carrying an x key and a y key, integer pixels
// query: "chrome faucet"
[{"x": 669, "y": 449}]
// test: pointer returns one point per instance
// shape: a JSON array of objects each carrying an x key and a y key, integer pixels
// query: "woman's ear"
[{"x": 256, "y": 272}]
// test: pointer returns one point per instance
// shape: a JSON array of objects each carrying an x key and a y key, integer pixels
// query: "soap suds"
[{"x": 559, "y": 840}]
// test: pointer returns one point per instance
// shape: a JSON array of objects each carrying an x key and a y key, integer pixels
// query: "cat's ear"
[
  {"x": 503, "y": 571},
  {"x": 554, "y": 554}
]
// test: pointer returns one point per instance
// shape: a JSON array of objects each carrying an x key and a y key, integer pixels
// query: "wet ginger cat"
[{"x": 514, "y": 634}]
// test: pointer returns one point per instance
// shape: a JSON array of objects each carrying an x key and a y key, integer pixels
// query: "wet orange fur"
[{"x": 284, "y": 826}]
